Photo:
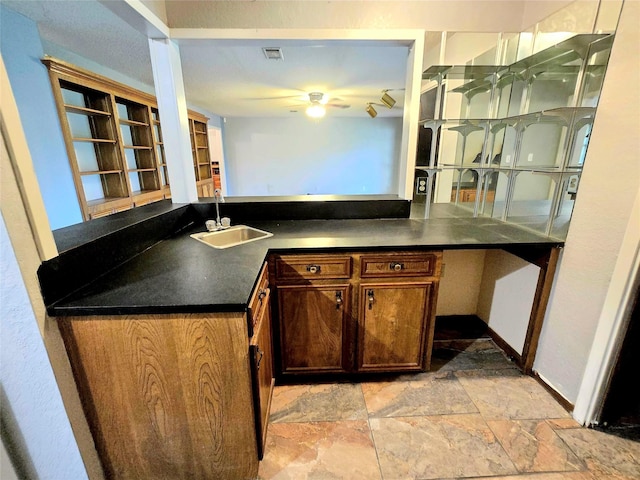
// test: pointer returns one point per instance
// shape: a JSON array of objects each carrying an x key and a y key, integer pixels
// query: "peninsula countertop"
[{"x": 182, "y": 275}]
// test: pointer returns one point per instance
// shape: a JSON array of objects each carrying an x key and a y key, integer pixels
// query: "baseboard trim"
[
  {"x": 566, "y": 404},
  {"x": 506, "y": 348}
]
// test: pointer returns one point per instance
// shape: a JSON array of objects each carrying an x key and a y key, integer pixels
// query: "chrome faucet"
[
  {"x": 217, "y": 194},
  {"x": 216, "y": 225}
]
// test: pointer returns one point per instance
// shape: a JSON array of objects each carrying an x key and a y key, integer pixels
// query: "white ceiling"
[
  {"x": 240, "y": 81},
  {"x": 232, "y": 78}
]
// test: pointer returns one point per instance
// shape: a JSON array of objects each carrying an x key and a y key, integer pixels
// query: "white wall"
[
  {"x": 21, "y": 53},
  {"x": 435, "y": 15},
  {"x": 299, "y": 156},
  {"x": 608, "y": 187},
  {"x": 506, "y": 296},
  {"x": 38, "y": 429}
]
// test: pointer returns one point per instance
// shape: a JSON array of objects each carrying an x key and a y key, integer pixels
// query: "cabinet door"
[
  {"x": 262, "y": 372},
  {"x": 313, "y": 328},
  {"x": 394, "y": 326}
]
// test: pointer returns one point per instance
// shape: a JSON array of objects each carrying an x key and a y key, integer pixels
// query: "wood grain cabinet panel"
[
  {"x": 297, "y": 268},
  {"x": 397, "y": 265},
  {"x": 166, "y": 397},
  {"x": 262, "y": 371},
  {"x": 313, "y": 322},
  {"x": 386, "y": 326},
  {"x": 393, "y": 325}
]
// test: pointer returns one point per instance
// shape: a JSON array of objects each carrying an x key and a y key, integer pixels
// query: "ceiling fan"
[{"x": 317, "y": 105}]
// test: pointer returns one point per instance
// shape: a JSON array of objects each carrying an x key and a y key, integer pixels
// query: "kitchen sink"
[{"x": 232, "y": 236}]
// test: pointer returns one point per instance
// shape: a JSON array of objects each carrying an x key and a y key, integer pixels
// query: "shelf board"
[
  {"x": 473, "y": 88},
  {"x": 553, "y": 115},
  {"x": 135, "y": 170},
  {"x": 568, "y": 50},
  {"x": 101, "y": 201},
  {"x": 93, "y": 140},
  {"x": 137, "y": 147},
  {"x": 132, "y": 123},
  {"x": 86, "y": 111},
  {"x": 471, "y": 72},
  {"x": 100, "y": 172},
  {"x": 504, "y": 169}
]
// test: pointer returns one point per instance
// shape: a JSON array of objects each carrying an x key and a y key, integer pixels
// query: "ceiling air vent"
[{"x": 273, "y": 53}]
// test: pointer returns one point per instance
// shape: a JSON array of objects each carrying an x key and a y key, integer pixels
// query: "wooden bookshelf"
[{"x": 113, "y": 137}]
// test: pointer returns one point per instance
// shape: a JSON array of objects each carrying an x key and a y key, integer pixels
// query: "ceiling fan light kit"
[{"x": 316, "y": 110}]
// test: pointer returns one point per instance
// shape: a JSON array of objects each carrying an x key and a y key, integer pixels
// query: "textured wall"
[
  {"x": 460, "y": 284},
  {"x": 608, "y": 187},
  {"x": 38, "y": 432}
]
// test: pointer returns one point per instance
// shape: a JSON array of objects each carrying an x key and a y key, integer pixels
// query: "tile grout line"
[{"x": 373, "y": 439}]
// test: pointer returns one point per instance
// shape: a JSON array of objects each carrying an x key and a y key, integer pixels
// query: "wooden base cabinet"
[
  {"x": 395, "y": 327},
  {"x": 356, "y": 312},
  {"x": 183, "y": 396},
  {"x": 261, "y": 355},
  {"x": 313, "y": 328},
  {"x": 166, "y": 396}
]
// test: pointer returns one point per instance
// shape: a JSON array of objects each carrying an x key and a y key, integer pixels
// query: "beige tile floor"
[{"x": 473, "y": 416}]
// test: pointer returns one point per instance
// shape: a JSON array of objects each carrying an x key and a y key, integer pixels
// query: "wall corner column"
[{"x": 172, "y": 105}]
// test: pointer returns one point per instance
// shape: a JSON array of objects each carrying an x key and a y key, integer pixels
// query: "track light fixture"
[
  {"x": 387, "y": 99},
  {"x": 371, "y": 111}
]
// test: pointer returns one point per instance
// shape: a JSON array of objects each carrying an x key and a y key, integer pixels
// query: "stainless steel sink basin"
[{"x": 231, "y": 237}]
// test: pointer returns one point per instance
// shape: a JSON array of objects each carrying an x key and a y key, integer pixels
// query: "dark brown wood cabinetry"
[
  {"x": 261, "y": 356},
  {"x": 395, "y": 326},
  {"x": 166, "y": 396},
  {"x": 176, "y": 396},
  {"x": 355, "y": 313},
  {"x": 313, "y": 328}
]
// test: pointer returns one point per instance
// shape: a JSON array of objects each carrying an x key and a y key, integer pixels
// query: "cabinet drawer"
[
  {"x": 398, "y": 265},
  {"x": 259, "y": 299},
  {"x": 308, "y": 267}
]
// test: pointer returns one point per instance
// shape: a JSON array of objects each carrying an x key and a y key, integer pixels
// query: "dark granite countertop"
[{"x": 181, "y": 275}]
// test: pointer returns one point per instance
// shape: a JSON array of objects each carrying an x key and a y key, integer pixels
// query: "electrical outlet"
[
  {"x": 507, "y": 159},
  {"x": 530, "y": 157},
  {"x": 421, "y": 185},
  {"x": 572, "y": 186}
]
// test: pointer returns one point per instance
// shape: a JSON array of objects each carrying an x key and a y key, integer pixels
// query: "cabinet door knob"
[
  {"x": 339, "y": 300},
  {"x": 396, "y": 266},
  {"x": 313, "y": 268},
  {"x": 371, "y": 299},
  {"x": 262, "y": 294}
]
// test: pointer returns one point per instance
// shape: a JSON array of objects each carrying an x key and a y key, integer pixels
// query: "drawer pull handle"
[
  {"x": 396, "y": 266},
  {"x": 262, "y": 294},
  {"x": 339, "y": 300},
  {"x": 371, "y": 299},
  {"x": 259, "y": 354},
  {"x": 313, "y": 268}
]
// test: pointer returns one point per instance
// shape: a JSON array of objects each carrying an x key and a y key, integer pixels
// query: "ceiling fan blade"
[
  {"x": 281, "y": 97},
  {"x": 338, "y": 105}
]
